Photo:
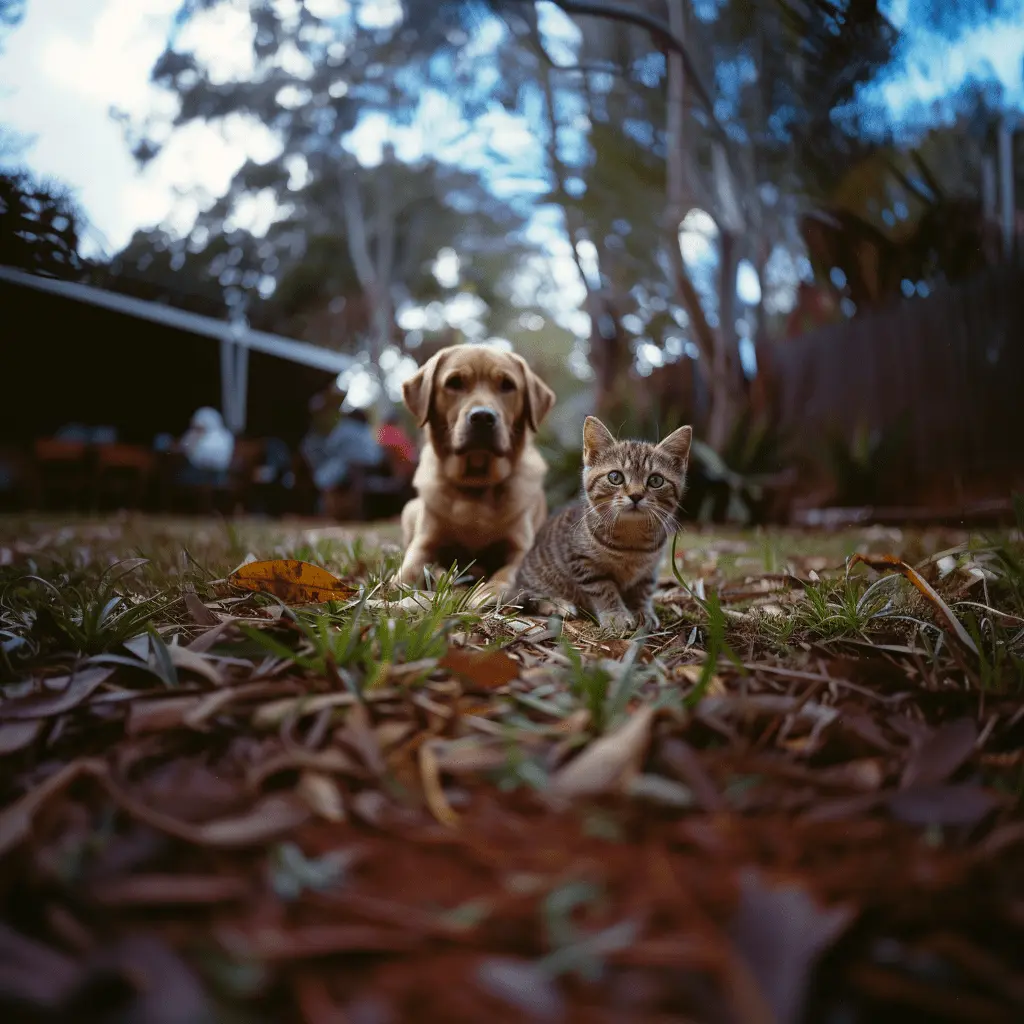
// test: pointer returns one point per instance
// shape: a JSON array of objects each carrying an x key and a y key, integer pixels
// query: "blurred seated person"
[
  {"x": 82, "y": 434},
  {"x": 349, "y": 445},
  {"x": 208, "y": 447},
  {"x": 275, "y": 463}
]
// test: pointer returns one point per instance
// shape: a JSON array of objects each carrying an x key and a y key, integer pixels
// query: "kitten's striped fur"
[{"x": 601, "y": 553}]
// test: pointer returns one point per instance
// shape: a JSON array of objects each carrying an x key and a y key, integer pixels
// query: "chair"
[
  {"x": 245, "y": 460},
  {"x": 124, "y": 473},
  {"x": 15, "y": 478},
  {"x": 62, "y": 471}
]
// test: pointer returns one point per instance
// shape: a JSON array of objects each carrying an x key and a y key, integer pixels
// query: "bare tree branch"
[{"x": 658, "y": 28}]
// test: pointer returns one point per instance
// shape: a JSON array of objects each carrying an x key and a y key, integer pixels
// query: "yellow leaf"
[{"x": 294, "y": 582}]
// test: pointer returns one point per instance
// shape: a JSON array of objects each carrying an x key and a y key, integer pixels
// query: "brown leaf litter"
[{"x": 833, "y": 834}]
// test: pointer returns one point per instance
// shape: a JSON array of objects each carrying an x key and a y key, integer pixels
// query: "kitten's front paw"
[
  {"x": 619, "y": 622},
  {"x": 649, "y": 618},
  {"x": 559, "y": 609}
]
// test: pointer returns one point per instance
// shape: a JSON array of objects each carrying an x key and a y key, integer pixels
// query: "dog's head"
[{"x": 479, "y": 403}]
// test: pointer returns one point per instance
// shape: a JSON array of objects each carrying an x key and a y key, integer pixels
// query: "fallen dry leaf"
[
  {"x": 484, "y": 669},
  {"x": 322, "y": 796},
  {"x": 283, "y": 945},
  {"x": 32, "y": 973},
  {"x": 16, "y": 819},
  {"x": 158, "y": 714},
  {"x": 606, "y": 765},
  {"x": 168, "y": 890},
  {"x": 78, "y": 687},
  {"x": 193, "y": 661},
  {"x": 780, "y": 932},
  {"x": 882, "y": 562},
  {"x": 964, "y": 805},
  {"x": 941, "y": 754},
  {"x": 519, "y": 984},
  {"x": 430, "y": 776},
  {"x": 15, "y": 736},
  {"x": 292, "y": 581},
  {"x": 202, "y": 615},
  {"x": 269, "y": 818}
]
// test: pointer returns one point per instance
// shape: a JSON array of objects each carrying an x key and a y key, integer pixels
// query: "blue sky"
[{"x": 71, "y": 60}]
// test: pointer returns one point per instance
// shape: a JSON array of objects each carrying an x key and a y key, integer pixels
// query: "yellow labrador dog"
[{"x": 480, "y": 478}]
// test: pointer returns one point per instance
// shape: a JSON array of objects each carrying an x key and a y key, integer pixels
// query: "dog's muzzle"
[{"x": 481, "y": 430}]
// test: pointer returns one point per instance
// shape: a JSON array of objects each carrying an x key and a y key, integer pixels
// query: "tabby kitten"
[{"x": 601, "y": 553}]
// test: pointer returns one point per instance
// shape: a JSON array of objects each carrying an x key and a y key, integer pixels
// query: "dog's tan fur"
[{"x": 472, "y": 504}]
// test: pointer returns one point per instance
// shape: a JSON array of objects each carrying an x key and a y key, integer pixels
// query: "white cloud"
[
  {"x": 71, "y": 62},
  {"x": 122, "y": 46}
]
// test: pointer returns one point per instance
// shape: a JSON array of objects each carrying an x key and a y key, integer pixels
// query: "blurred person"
[
  {"x": 78, "y": 432},
  {"x": 275, "y": 464},
  {"x": 208, "y": 447},
  {"x": 351, "y": 443},
  {"x": 324, "y": 414}
]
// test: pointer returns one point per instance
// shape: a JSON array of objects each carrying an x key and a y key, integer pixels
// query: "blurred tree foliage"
[
  {"x": 741, "y": 122},
  {"x": 346, "y": 245},
  {"x": 40, "y": 226},
  {"x": 11, "y": 13}
]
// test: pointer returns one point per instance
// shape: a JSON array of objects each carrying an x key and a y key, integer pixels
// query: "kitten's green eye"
[
  {"x": 615, "y": 477},
  {"x": 655, "y": 480}
]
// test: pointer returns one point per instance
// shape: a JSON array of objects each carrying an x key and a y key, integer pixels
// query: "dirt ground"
[{"x": 798, "y": 801}]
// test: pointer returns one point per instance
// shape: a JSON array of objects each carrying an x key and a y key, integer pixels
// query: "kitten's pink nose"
[{"x": 636, "y": 498}]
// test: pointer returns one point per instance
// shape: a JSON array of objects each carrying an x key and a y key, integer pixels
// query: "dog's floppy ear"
[
  {"x": 418, "y": 390},
  {"x": 539, "y": 397}
]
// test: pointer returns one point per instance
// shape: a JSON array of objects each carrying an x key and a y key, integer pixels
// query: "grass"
[
  {"x": 750, "y": 698},
  {"x": 84, "y": 588}
]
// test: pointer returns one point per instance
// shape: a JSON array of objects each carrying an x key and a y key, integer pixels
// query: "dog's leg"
[
  {"x": 419, "y": 548},
  {"x": 500, "y": 585},
  {"x": 410, "y": 519},
  {"x": 417, "y": 558}
]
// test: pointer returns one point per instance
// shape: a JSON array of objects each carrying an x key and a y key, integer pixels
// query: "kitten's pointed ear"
[
  {"x": 597, "y": 438},
  {"x": 418, "y": 390},
  {"x": 677, "y": 445}
]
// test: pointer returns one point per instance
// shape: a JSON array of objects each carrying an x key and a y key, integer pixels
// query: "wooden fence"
[{"x": 948, "y": 367}]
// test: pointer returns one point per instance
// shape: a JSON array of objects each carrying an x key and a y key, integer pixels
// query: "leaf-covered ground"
[{"x": 799, "y": 801}]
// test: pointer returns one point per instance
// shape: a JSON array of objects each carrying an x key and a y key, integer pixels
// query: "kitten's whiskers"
[{"x": 595, "y": 509}]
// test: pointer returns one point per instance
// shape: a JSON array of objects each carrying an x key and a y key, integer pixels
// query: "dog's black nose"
[
  {"x": 481, "y": 416},
  {"x": 636, "y": 498}
]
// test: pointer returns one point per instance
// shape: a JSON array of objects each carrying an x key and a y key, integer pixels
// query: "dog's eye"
[
  {"x": 454, "y": 382},
  {"x": 655, "y": 480},
  {"x": 615, "y": 477},
  {"x": 508, "y": 384}
]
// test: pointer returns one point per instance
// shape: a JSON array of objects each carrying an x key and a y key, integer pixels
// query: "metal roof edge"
[{"x": 180, "y": 319}]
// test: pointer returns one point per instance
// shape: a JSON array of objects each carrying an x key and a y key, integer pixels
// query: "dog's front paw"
[{"x": 618, "y": 621}]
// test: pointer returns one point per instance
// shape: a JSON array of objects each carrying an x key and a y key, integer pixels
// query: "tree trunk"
[
  {"x": 374, "y": 275},
  {"x": 610, "y": 354},
  {"x": 713, "y": 361},
  {"x": 723, "y": 371}
]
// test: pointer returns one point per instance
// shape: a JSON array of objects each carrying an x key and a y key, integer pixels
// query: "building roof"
[{"x": 193, "y": 323}]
